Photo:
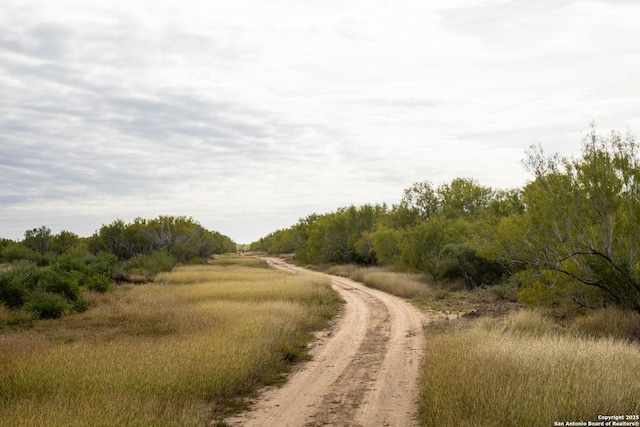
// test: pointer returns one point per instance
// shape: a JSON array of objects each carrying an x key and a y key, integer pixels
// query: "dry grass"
[
  {"x": 608, "y": 322},
  {"x": 436, "y": 300},
  {"x": 531, "y": 323},
  {"x": 525, "y": 371},
  {"x": 176, "y": 352},
  {"x": 406, "y": 285},
  {"x": 245, "y": 261}
]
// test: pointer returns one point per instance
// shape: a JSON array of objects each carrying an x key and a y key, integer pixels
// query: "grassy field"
[
  {"x": 177, "y": 352},
  {"x": 529, "y": 371}
]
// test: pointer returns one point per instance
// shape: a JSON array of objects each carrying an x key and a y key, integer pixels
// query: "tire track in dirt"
[{"x": 364, "y": 372}]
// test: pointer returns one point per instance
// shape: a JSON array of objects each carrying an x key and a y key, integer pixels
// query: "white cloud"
[{"x": 251, "y": 114}]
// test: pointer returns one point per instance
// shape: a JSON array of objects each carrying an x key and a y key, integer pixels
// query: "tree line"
[
  {"x": 569, "y": 237},
  {"x": 45, "y": 273}
]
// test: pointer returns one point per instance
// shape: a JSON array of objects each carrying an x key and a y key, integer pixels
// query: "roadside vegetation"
[
  {"x": 405, "y": 285},
  {"x": 179, "y": 351},
  {"x": 45, "y": 275},
  {"x": 565, "y": 239},
  {"x": 565, "y": 245}
]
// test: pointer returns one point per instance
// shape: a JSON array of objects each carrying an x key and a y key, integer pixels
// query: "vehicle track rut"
[{"x": 365, "y": 371}]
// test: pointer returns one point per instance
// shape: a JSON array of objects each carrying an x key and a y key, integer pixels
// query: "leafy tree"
[
  {"x": 64, "y": 241},
  {"x": 460, "y": 261},
  {"x": 387, "y": 245},
  {"x": 38, "y": 239},
  {"x": 582, "y": 218},
  {"x": 287, "y": 240},
  {"x": 422, "y": 199},
  {"x": 504, "y": 203},
  {"x": 423, "y": 244},
  {"x": 464, "y": 197},
  {"x": 460, "y": 197},
  {"x": 342, "y": 236},
  {"x": 183, "y": 237},
  {"x": 112, "y": 238}
]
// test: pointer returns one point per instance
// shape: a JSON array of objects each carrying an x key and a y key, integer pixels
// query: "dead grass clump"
[
  {"x": 400, "y": 284},
  {"x": 608, "y": 322},
  {"x": 406, "y": 285},
  {"x": 343, "y": 270},
  {"x": 531, "y": 322}
]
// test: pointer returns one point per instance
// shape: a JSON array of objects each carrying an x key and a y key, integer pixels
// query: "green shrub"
[
  {"x": 99, "y": 283},
  {"x": 17, "y": 251},
  {"x": 507, "y": 289},
  {"x": 13, "y": 291},
  {"x": 553, "y": 289},
  {"x": 80, "y": 305},
  {"x": 103, "y": 263},
  {"x": 66, "y": 284},
  {"x": 441, "y": 294},
  {"x": 143, "y": 268},
  {"x": 47, "y": 305},
  {"x": 459, "y": 261},
  {"x": 68, "y": 263}
]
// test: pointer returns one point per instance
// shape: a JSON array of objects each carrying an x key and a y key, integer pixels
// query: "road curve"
[{"x": 364, "y": 372}]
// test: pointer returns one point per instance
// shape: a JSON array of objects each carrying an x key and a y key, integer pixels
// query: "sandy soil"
[{"x": 363, "y": 372}]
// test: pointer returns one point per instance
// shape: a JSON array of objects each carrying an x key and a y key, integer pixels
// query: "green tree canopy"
[{"x": 582, "y": 218}]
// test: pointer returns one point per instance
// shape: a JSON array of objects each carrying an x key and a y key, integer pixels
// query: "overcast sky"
[{"x": 250, "y": 114}]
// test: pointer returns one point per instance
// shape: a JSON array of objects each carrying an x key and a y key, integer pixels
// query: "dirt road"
[{"x": 364, "y": 372}]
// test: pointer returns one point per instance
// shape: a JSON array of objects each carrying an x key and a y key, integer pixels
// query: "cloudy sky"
[{"x": 249, "y": 114}]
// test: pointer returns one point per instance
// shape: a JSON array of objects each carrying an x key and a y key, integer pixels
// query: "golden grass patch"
[
  {"x": 175, "y": 352},
  {"x": 526, "y": 374},
  {"x": 405, "y": 285}
]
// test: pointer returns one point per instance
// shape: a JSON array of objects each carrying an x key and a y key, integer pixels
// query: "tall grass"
[
  {"x": 246, "y": 261},
  {"x": 404, "y": 285},
  {"x": 177, "y": 352},
  {"x": 526, "y": 373},
  {"x": 610, "y": 321}
]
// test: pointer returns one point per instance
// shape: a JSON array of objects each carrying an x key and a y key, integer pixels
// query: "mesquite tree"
[{"x": 582, "y": 218}]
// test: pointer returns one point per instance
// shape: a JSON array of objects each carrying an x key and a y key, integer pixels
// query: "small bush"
[
  {"x": 13, "y": 291},
  {"x": 58, "y": 282},
  {"x": 103, "y": 263},
  {"x": 68, "y": 263},
  {"x": 80, "y": 305},
  {"x": 441, "y": 294},
  {"x": 47, "y": 305},
  {"x": 17, "y": 251},
  {"x": 9, "y": 316},
  {"x": 99, "y": 283},
  {"x": 143, "y": 268},
  {"x": 507, "y": 289}
]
